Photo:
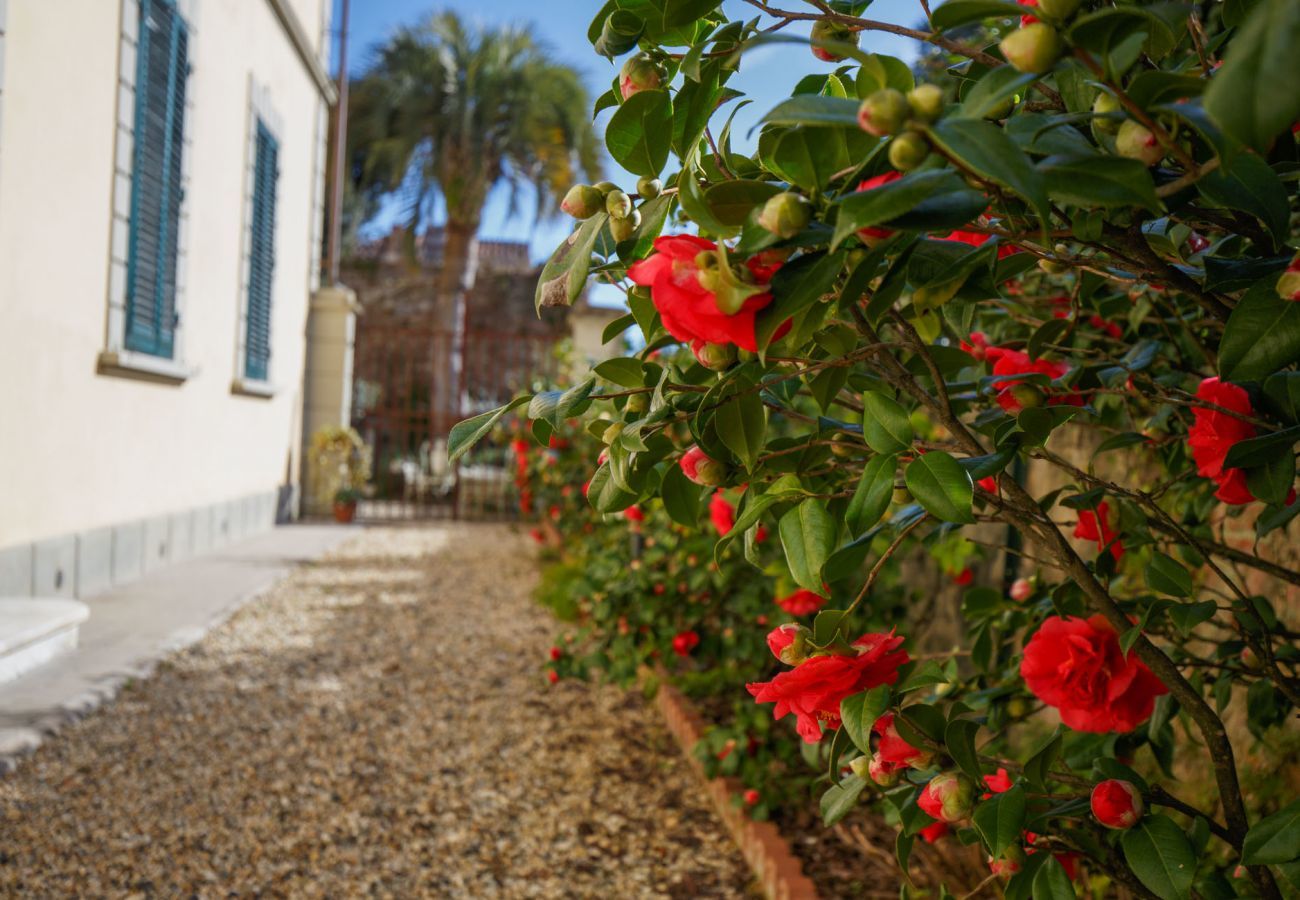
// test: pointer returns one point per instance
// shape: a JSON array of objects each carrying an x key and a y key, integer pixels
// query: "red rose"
[
  {"x": 813, "y": 689},
  {"x": 978, "y": 239},
  {"x": 689, "y": 311},
  {"x": 873, "y": 235},
  {"x": 1117, "y": 804},
  {"x": 684, "y": 642},
  {"x": 1017, "y": 362},
  {"x": 894, "y": 752},
  {"x": 1076, "y": 665},
  {"x": 722, "y": 514},
  {"x": 1095, "y": 526},
  {"x": 1213, "y": 433},
  {"x": 801, "y": 602},
  {"x": 934, "y": 831}
]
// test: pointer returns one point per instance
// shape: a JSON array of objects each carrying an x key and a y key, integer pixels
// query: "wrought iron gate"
[{"x": 397, "y": 411}]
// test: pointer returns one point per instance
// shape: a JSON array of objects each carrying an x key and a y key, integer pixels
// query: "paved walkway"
[{"x": 376, "y": 725}]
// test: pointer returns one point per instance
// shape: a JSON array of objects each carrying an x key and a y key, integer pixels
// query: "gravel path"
[{"x": 376, "y": 725}]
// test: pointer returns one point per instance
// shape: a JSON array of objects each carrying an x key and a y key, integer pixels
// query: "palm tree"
[{"x": 451, "y": 112}]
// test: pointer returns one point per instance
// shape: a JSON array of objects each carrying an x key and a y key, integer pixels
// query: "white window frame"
[
  {"x": 260, "y": 108},
  {"x": 115, "y": 359}
]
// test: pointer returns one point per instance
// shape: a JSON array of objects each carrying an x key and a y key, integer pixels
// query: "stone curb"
[{"x": 764, "y": 848}]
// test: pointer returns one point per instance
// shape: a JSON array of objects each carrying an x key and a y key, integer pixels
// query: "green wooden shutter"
[
  {"x": 161, "y": 69},
  {"x": 261, "y": 256}
]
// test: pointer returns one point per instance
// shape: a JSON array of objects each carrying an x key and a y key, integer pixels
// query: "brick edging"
[{"x": 761, "y": 843}]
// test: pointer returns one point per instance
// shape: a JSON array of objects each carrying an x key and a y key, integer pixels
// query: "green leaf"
[
  {"x": 1188, "y": 615},
  {"x": 565, "y": 274},
  {"x": 814, "y": 109},
  {"x": 873, "y": 494},
  {"x": 691, "y": 197},
  {"x": 681, "y": 497},
  {"x": 742, "y": 427},
  {"x": 859, "y": 713},
  {"x": 1262, "y": 335},
  {"x": 1258, "y": 451},
  {"x": 1052, "y": 883},
  {"x": 810, "y": 156},
  {"x": 605, "y": 495},
  {"x": 839, "y": 799},
  {"x": 985, "y": 149},
  {"x": 992, "y": 90},
  {"x": 1275, "y": 839},
  {"x": 941, "y": 486},
  {"x": 1161, "y": 857},
  {"x": 1272, "y": 481},
  {"x": 623, "y": 371},
  {"x": 640, "y": 131},
  {"x": 466, "y": 434},
  {"x": 885, "y": 425},
  {"x": 732, "y": 201},
  {"x": 796, "y": 287},
  {"x": 1253, "y": 96},
  {"x": 862, "y": 209},
  {"x": 1000, "y": 819},
  {"x": 1113, "y": 32},
  {"x": 955, "y": 13},
  {"x": 617, "y": 327},
  {"x": 959, "y": 740},
  {"x": 1247, "y": 183},
  {"x": 1039, "y": 765},
  {"x": 808, "y": 537},
  {"x": 1106, "y": 181},
  {"x": 1167, "y": 576}
]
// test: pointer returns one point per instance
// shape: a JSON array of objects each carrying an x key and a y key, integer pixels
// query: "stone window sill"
[
  {"x": 250, "y": 388},
  {"x": 128, "y": 364}
]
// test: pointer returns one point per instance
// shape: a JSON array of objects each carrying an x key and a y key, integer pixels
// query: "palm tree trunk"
[{"x": 455, "y": 281}]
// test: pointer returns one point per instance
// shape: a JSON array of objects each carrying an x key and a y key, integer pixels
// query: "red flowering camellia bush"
[{"x": 1024, "y": 315}]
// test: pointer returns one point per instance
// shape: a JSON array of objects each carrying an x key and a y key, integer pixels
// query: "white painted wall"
[{"x": 79, "y": 449}]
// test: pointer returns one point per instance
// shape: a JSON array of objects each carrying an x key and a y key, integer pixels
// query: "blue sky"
[{"x": 766, "y": 75}]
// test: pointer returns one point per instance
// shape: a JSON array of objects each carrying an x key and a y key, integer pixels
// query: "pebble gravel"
[{"x": 378, "y": 725}]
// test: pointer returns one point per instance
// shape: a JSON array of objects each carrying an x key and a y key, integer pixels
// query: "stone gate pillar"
[{"x": 327, "y": 381}]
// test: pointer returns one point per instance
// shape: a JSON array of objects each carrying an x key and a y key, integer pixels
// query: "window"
[
  {"x": 162, "y": 66},
  {"x": 261, "y": 254}
]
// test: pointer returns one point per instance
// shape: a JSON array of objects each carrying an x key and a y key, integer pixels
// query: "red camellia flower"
[
  {"x": 634, "y": 514},
  {"x": 978, "y": 239},
  {"x": 801, "y": 603},
  {"x": 998, "y": 783},
  {"x": 751, "y": 797},
  {"x": 978, "y": 346},
  {"x": 964, "y": 577},
  {"x": 988, "y": 485},
  {"x": 894, "y": 752},
  {"x": 684, "y": 642},
  {"x": 1110, "y": 328},
  {"x": 1021, "y": 590},
  {"x": 1016, "y": 362},
  {"x": 556, "y": 653},
  {"x": 1213, "y": 433},
  {"x": 934, "y": 831},
  {"x": 722, "y": 514},
  {"x": 700, "y": 468},
  {"x": 1095, "y": 526},
  {"x": 1077, "y": 666},
  {"x": 813, "y": 689},
  {"x": 537, "y": 535},
  {"x": 1027, "y": 19},
  {"x": 552, "y": 676},
  {"x": 689, "y": 311},
  {"x": 873, "y": 235},
  {"x": 1117, "y": 804}
]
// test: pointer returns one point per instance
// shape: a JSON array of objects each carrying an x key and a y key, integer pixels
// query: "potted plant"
[{"x": 345, "y": 505}]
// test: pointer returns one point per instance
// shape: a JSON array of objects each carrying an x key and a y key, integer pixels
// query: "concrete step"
[{"x": 34, "y": 631}]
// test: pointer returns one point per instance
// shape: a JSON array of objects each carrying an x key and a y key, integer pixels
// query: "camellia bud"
[
  {"x": 715, "y": 357},
  {"x": 1028, "y": 396},
  {"x": 1032, "y": 48},
  {"x": 1249, "y": 658},
  {"x": 908, "y": 150},
  {"x": 832, "y": 32},
  {"x": 702, "y": 469},
  {"x": 1011, "y": 861},
  {"x": 926, "y": 101},
  {"x": 884, "y": 112},
  {"x": 789, "y": 643},
  {"x": 1136, "y": 141},
  {"x": 582, "y": 201},
  {"x": 623, "y": 229},
  {"x": 1103, "y": 110},
  {"x": 785, "y": 214},
  {"x": 1021, "y": 590},
  {"x": 1288, "y": 285},
  {"x": 605, "y": 187},
  {"x": 639, "y": 73},
  {"x": 1117, "y": 804},
  {"x": 618, "y": 204},
  {"x": 648, "y": 188},
  {"x": 882, "y": 773},
  {"x": 949, "y": 797},
  {"x": 1059, "y": 9}
]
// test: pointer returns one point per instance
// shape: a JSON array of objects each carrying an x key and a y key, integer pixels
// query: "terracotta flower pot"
[{"x": 345, "y": 512}]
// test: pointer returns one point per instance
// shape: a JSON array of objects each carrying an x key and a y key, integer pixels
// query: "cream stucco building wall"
[{"x": 95, "y": 458}]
